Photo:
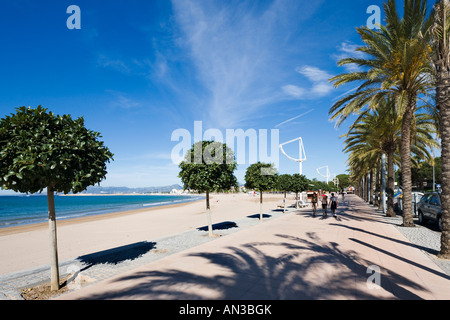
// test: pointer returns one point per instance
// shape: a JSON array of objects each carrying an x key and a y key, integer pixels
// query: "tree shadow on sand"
[
  {"x": 220, "y": 226},
  {"x": 117, "y": 255},
  {"x": 257, "y": 216},
  {"x": 308, "y": 269}
]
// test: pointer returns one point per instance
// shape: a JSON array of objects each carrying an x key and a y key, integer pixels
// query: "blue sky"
[{"x": 138, "y": 70}]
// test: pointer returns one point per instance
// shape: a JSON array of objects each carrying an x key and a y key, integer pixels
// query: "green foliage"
[
  {"x": 378, "y": 131},
  {"x": 299, "y": 183},
  {"x": 316, "y": 185},
  {"x": 208, "y": 166},
  {"x": 261, "y": 176},
  {"x": 284, "y": 182},
  {"x": 40, "y": 149},
  {"x": 344, "y": 181},
  {"x": 395, "y": 62},
  {"x": 422, "y": 172}
]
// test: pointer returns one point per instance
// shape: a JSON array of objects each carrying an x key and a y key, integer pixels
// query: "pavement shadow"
[
  {"x": 220, "y": 226},
  {"x": 304, "y": 269},
  {"x": 370, "y": 213},
  {"x": 257, "y": 216},
  {"x": 440, "y": 274},
  {"x": 117, "y": 255},
  {"x": 426, "y": 249}
]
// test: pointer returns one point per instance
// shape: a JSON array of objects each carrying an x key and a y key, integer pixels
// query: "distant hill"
[{"x": 121, "y": 190}]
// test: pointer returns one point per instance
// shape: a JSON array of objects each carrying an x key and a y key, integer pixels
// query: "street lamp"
[{"x": 302, "y": 153}]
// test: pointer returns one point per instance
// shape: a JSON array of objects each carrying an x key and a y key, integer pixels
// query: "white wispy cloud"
[
  {"x": 314, "y": 74},
  {"x": 237, "y": 50},
  {"x": 122, "y": 100},
  {"x": 104, "y": 61},
  {"x": 319, "y": 80},
  {"x": 294, "y": 91}
]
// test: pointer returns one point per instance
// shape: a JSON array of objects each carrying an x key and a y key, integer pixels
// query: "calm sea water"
[{"x": 20, "y": 210}]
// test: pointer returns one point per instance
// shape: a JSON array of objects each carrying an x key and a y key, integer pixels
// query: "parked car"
[
  {"x": 398, "y": 204},
  {"x": 430, "y": 209}
]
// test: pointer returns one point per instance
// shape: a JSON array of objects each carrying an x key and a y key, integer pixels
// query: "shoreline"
[
  {"x": 96, "y": 194},
  {"x": 124, "y": 194},
  {"x": 88, "y": 218},
  {"x": 113, "y": 212}
]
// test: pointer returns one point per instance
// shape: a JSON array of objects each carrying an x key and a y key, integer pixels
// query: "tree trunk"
[
  {"x": 443, "y": 102},
  {"x": 260, "y": 205},
  {"x": 361, "y": 188},
  {"x": 371, "y": 187},
  {"x": 390, "y": 186},
  {"x": 406, "y": 162},
  {"x": 53, "y": 240},
  {"x": 365, "y": 187},
  {"x": 383, "y": 183},
  {"x": 284, "y": 210},
  {"x": 208, "y": 215},
  {"x": 377, "y": 202}
]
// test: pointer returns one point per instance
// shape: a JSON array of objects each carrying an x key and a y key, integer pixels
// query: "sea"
[{"x": 19, "y": 210}]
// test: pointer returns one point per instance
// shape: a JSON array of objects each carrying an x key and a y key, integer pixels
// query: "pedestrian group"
[{"x": 331, "y": 203}]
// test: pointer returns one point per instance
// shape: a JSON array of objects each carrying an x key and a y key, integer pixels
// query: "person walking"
[
  {"x": 333, "y": 204},
  {"x": 314, "y": 201},
  {"x": 324, "y": 205}
]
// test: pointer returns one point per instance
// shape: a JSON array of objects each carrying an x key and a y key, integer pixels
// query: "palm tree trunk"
[
  {"x": 443, "y": 102},
  {"x": 406, "y": 162},
  {"x": 366, "y": 187},
  {"x": 361, "y": 188},
  {"x": 53, "y": 240},
  {"x": 390, "y": 186},
  {"x": 371, "y": 187},
  {"x": 377, "y": 202}
]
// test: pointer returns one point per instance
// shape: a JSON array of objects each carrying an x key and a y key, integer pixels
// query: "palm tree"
[
  {"x": 397, "y": 66},
  {"x": 379, "y": 131},
  {"x": 374, "y": 133},
  {"x": 440, "y": 39},
  {"x": 360, "y": 164}
]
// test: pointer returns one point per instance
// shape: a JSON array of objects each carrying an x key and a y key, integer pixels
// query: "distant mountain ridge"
[{"x": 122, "y": 190}]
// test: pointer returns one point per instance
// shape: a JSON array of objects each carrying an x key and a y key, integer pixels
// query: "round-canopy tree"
[
  {"x": 208, "y": 167},
  {"x": 262, "y": 177},
  {"x": 284, "y": 183},
  {"x": 299, "y": 184},
  {"x": 39, "y": 150}
]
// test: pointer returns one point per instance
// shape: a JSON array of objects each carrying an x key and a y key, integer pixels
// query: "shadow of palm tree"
[
  {"x": 307, "y": 269},
  {"x": 426, "y": 249}
]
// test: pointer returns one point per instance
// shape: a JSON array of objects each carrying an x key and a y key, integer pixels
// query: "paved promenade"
[{"x": 292, "y": 257}]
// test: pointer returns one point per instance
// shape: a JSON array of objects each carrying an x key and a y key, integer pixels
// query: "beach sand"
[{"x": 27, "y": 247}]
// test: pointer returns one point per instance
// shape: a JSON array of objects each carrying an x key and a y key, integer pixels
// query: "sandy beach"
[{"x": 26, "y": 247}]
